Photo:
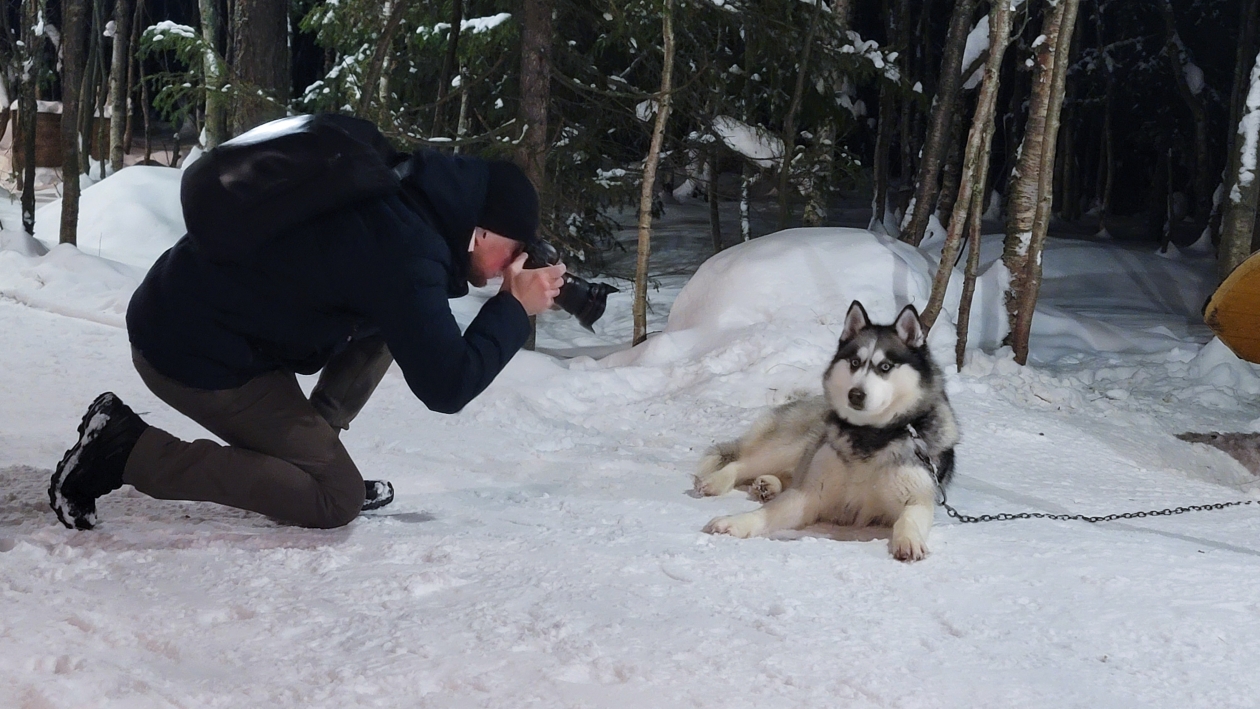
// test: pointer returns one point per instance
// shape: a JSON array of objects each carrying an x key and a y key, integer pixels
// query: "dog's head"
[{"x": 880, "y": 372}]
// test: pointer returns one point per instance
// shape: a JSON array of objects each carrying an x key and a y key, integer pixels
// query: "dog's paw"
[
  {"x": 718, "y": 482},
  {"x": 766, "y": 488},
  {"x": 908, "y": 548},
  {"x": 741, "y": 526}
]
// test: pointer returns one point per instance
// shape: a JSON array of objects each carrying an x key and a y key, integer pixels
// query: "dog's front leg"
[
  {"x": 910, "y": 532},
  {"x": 791, "y": 510}
]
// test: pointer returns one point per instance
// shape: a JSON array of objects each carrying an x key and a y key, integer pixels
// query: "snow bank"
[{"x": 130, "y": 217}]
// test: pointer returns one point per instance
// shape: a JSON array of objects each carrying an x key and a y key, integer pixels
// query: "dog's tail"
[{"x": 718, "y": 457}]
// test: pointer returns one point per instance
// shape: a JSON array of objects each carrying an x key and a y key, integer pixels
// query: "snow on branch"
[{"x": 752, "y": 142}]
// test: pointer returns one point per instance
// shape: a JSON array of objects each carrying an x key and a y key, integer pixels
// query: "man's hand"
[{"x": 535, "y": 288}]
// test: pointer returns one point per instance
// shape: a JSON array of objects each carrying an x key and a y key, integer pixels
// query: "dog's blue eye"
[{"x": 855, "y": 363}]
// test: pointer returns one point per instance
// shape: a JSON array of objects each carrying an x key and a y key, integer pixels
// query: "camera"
[{"x": 578, "y": 297}]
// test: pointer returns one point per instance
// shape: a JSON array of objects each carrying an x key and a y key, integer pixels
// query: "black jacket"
[{"x": 385, "y": 265}]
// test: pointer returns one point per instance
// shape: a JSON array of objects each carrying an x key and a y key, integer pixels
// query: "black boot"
[
  {"x": 379, "y": 494},
  {"x": 94, "y": 466}
]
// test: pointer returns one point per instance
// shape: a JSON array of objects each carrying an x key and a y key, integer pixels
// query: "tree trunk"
[
  {"x": 1240, "y": 209},
  {"x": 951, "y": 172},
  {"x": 28, "y": 111},
  {"x": 137, "y": 27},
  {"x": 371, "y": 81},
  {"x": 450, "y": 61},
  {"x": 1050, "y": 80},
  {"x": 905, "y": 131},
  {"x": 260, "y": 61},
  {"x": 789, "y": 122},
  {"x": 745, "y": 222},
  {"x": 1179, "y": 58},
  {"x": 536, "y": 37},
  {"x": 118, "y": 66},
  {"x": 879, "y": 164},
  {"x": 1248, "y": 25},
  {"x": 663, "y": 100},
  {"x": 100, "y": 130},
  {"x": 969, "y": 206},
  {"x": 1107, "y": 154},
  {"x": 943, "y": 109},
  {"x": 715, "y": 215},
  {"x": 969, "y": 276},
  {"x": 88, "y": 92},
  {"x": 216, "y": 101},
  {"x": 820, "y": 180},
  {"x": 74, "y": 27}
]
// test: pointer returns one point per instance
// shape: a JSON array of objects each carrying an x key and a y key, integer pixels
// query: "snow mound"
[
  {"x": 131, "y": 216},
  {"x": 803, "y": 275},
  {"x": 779, "y": 301}
]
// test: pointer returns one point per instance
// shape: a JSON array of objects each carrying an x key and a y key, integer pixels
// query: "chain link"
[{"x": 1004, "y": 516}]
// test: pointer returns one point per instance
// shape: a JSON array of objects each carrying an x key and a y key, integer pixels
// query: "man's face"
[{"x": 491, "y": 255}]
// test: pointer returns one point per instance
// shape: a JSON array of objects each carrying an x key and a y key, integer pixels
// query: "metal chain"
[{"x": 1003, "y": 516}]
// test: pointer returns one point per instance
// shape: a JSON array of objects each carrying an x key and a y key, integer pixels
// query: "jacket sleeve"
[{"x": 406, "y": 297}]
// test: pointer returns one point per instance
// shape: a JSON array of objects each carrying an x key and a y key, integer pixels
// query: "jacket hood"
[{"x": 450, "y": 190}]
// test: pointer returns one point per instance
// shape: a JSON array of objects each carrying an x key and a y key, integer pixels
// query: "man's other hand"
[{"x": 534, "y": 288}]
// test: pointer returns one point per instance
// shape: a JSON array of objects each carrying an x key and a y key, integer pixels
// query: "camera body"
[{"x": 579, "y": 297}]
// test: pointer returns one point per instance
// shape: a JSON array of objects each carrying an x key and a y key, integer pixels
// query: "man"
[{"x": 221, "y": 338}]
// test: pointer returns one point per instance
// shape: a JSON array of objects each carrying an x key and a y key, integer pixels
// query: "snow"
[
  {"x": 1194, "y": 77},
  {"x": 544, "y": 549},
  {"x": 977, "y": 44},
  {"x": 753, "y": 142}
]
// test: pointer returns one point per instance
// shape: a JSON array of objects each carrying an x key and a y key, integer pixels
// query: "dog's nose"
[{"x": 857, "y": 397}]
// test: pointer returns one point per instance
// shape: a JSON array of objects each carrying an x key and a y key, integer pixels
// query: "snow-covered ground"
[{"x": 544, "y": 549}]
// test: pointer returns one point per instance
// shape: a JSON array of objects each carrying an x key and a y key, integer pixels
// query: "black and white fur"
[{"x": 872, "y": 450}]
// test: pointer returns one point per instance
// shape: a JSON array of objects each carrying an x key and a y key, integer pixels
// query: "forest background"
[{"x": 1124, "y": 119}]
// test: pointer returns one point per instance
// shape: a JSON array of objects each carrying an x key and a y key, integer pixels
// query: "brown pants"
[{"x": 284, "y": 458}]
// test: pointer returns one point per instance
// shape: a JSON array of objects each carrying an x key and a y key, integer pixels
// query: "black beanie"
[{"x": 511, "y": 207}]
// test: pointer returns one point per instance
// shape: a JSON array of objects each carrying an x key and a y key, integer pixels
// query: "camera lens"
[
  {"x": 584, "y": 300},
  {"x": 580, "y": 298}
]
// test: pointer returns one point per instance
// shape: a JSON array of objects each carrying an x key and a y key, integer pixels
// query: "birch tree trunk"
[
  {"x": 74, "y": 23},
  {"x": 745, "y": 221},
  {"x": 1051, "y": 79},
  {"x": 943, "y": 109},
  {"x": 970, "y": 202},
  {"x": 216, "y": 102},
  {"x": 1240, "y": 203},
  {"x": 28, "y": 110},
  {"x": 789, "y": 122},
  {"x": 1248, "y": 24},
  {"x": 118, "y": 65},
  {"x": 649, "y": 176}
]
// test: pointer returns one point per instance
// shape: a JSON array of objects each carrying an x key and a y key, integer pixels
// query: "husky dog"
[{"x": 872, "y": 450}]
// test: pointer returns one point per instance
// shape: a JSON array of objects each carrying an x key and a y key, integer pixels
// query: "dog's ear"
[
  {"x": 855, "y": 320},
  {"x": 910, "y": 328}
]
